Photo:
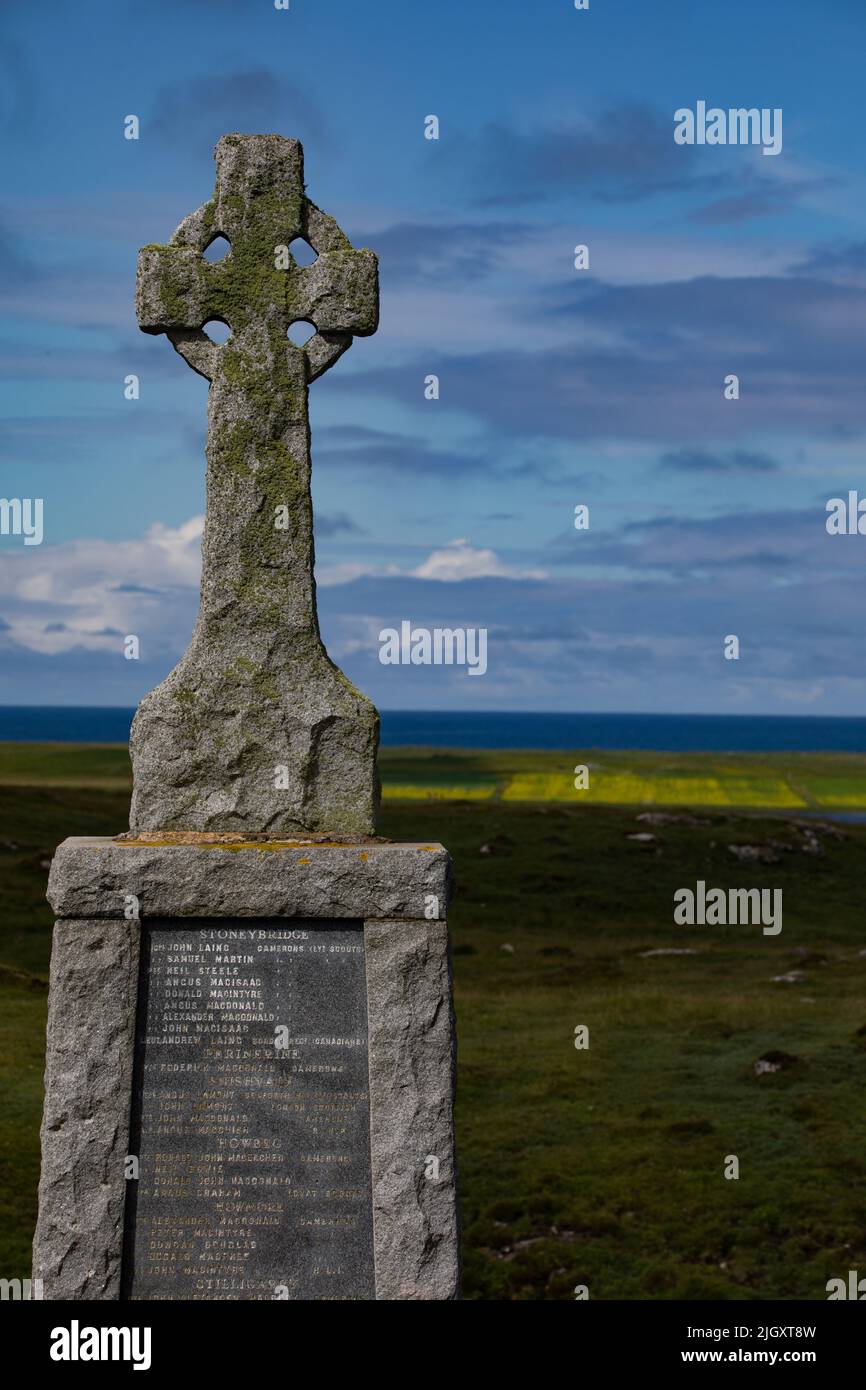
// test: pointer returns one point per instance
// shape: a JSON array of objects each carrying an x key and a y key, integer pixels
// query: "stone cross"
[
  {"x": 323, "y": 1050},
  {"x": 256, "y": 730}
]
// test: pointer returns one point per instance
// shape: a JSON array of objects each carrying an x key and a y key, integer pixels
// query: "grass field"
[
  {"x": 603, "y": 1166},
  {"x": 781, "y": 781}
]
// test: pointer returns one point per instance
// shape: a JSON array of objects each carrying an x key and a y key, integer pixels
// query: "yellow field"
[{"x": 625, "y": 789}]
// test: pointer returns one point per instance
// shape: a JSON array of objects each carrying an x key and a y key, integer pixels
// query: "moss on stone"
[{"x": 260, "y": 681}]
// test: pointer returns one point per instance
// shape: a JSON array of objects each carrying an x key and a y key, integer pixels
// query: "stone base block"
[{"x": 106, "y": 894}]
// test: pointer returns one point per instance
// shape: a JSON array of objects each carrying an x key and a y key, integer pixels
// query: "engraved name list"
[{"x": 250, "y": 1115}]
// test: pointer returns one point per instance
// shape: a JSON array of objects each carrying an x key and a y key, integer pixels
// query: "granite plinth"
[{"x": 391, "y": 899}]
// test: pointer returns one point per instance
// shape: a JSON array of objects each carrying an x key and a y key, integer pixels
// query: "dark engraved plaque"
[{"x": 250, "y": 1115}]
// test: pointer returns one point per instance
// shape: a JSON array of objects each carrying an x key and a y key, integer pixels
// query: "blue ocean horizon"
[{"x": 684, "y": 733}]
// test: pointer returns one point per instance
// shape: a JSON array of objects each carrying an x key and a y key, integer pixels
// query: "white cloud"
[
  {"x": 83, "y": 593},
  {"x": 459, "y": 560},
  {"x": 455, "y": 561}
]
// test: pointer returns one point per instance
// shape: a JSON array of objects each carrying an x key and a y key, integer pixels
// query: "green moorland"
[{"x": 603, "y": 1166}]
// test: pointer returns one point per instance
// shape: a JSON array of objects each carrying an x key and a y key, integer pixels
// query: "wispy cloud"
[
  {"x": 625, "y": 150},
  {"x": 705, "y": 461},
  {"x": 191, "y": 115}
]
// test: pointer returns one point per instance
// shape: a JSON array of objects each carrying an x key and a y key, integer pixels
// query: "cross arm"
[
  {"x": 172, "y": 288},
  {"x": 339, "y": 293}
]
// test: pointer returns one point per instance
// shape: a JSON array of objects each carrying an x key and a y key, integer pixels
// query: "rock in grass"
[
  {"x": 755, "y": 854},
  {"x": 500, "y": 844},
  {"x": 775, "y": 1060},
  {"x": 668, "y": 818},
  {"x": 807, "y": 957},
  {"x": 669, "y": 951},
  {"x": 820, "y": 827}
]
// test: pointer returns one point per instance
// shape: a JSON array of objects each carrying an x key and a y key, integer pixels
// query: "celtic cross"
[{"x": 256, "y": 729}]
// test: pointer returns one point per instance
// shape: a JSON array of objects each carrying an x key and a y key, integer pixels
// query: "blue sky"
[{"x": 558, "y": 387}]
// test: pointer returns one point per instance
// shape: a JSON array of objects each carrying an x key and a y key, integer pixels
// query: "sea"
[{"x": 692, "y": 733}]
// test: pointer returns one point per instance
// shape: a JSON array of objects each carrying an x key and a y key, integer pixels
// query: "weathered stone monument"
[{"x": 250, "y": 1054}]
